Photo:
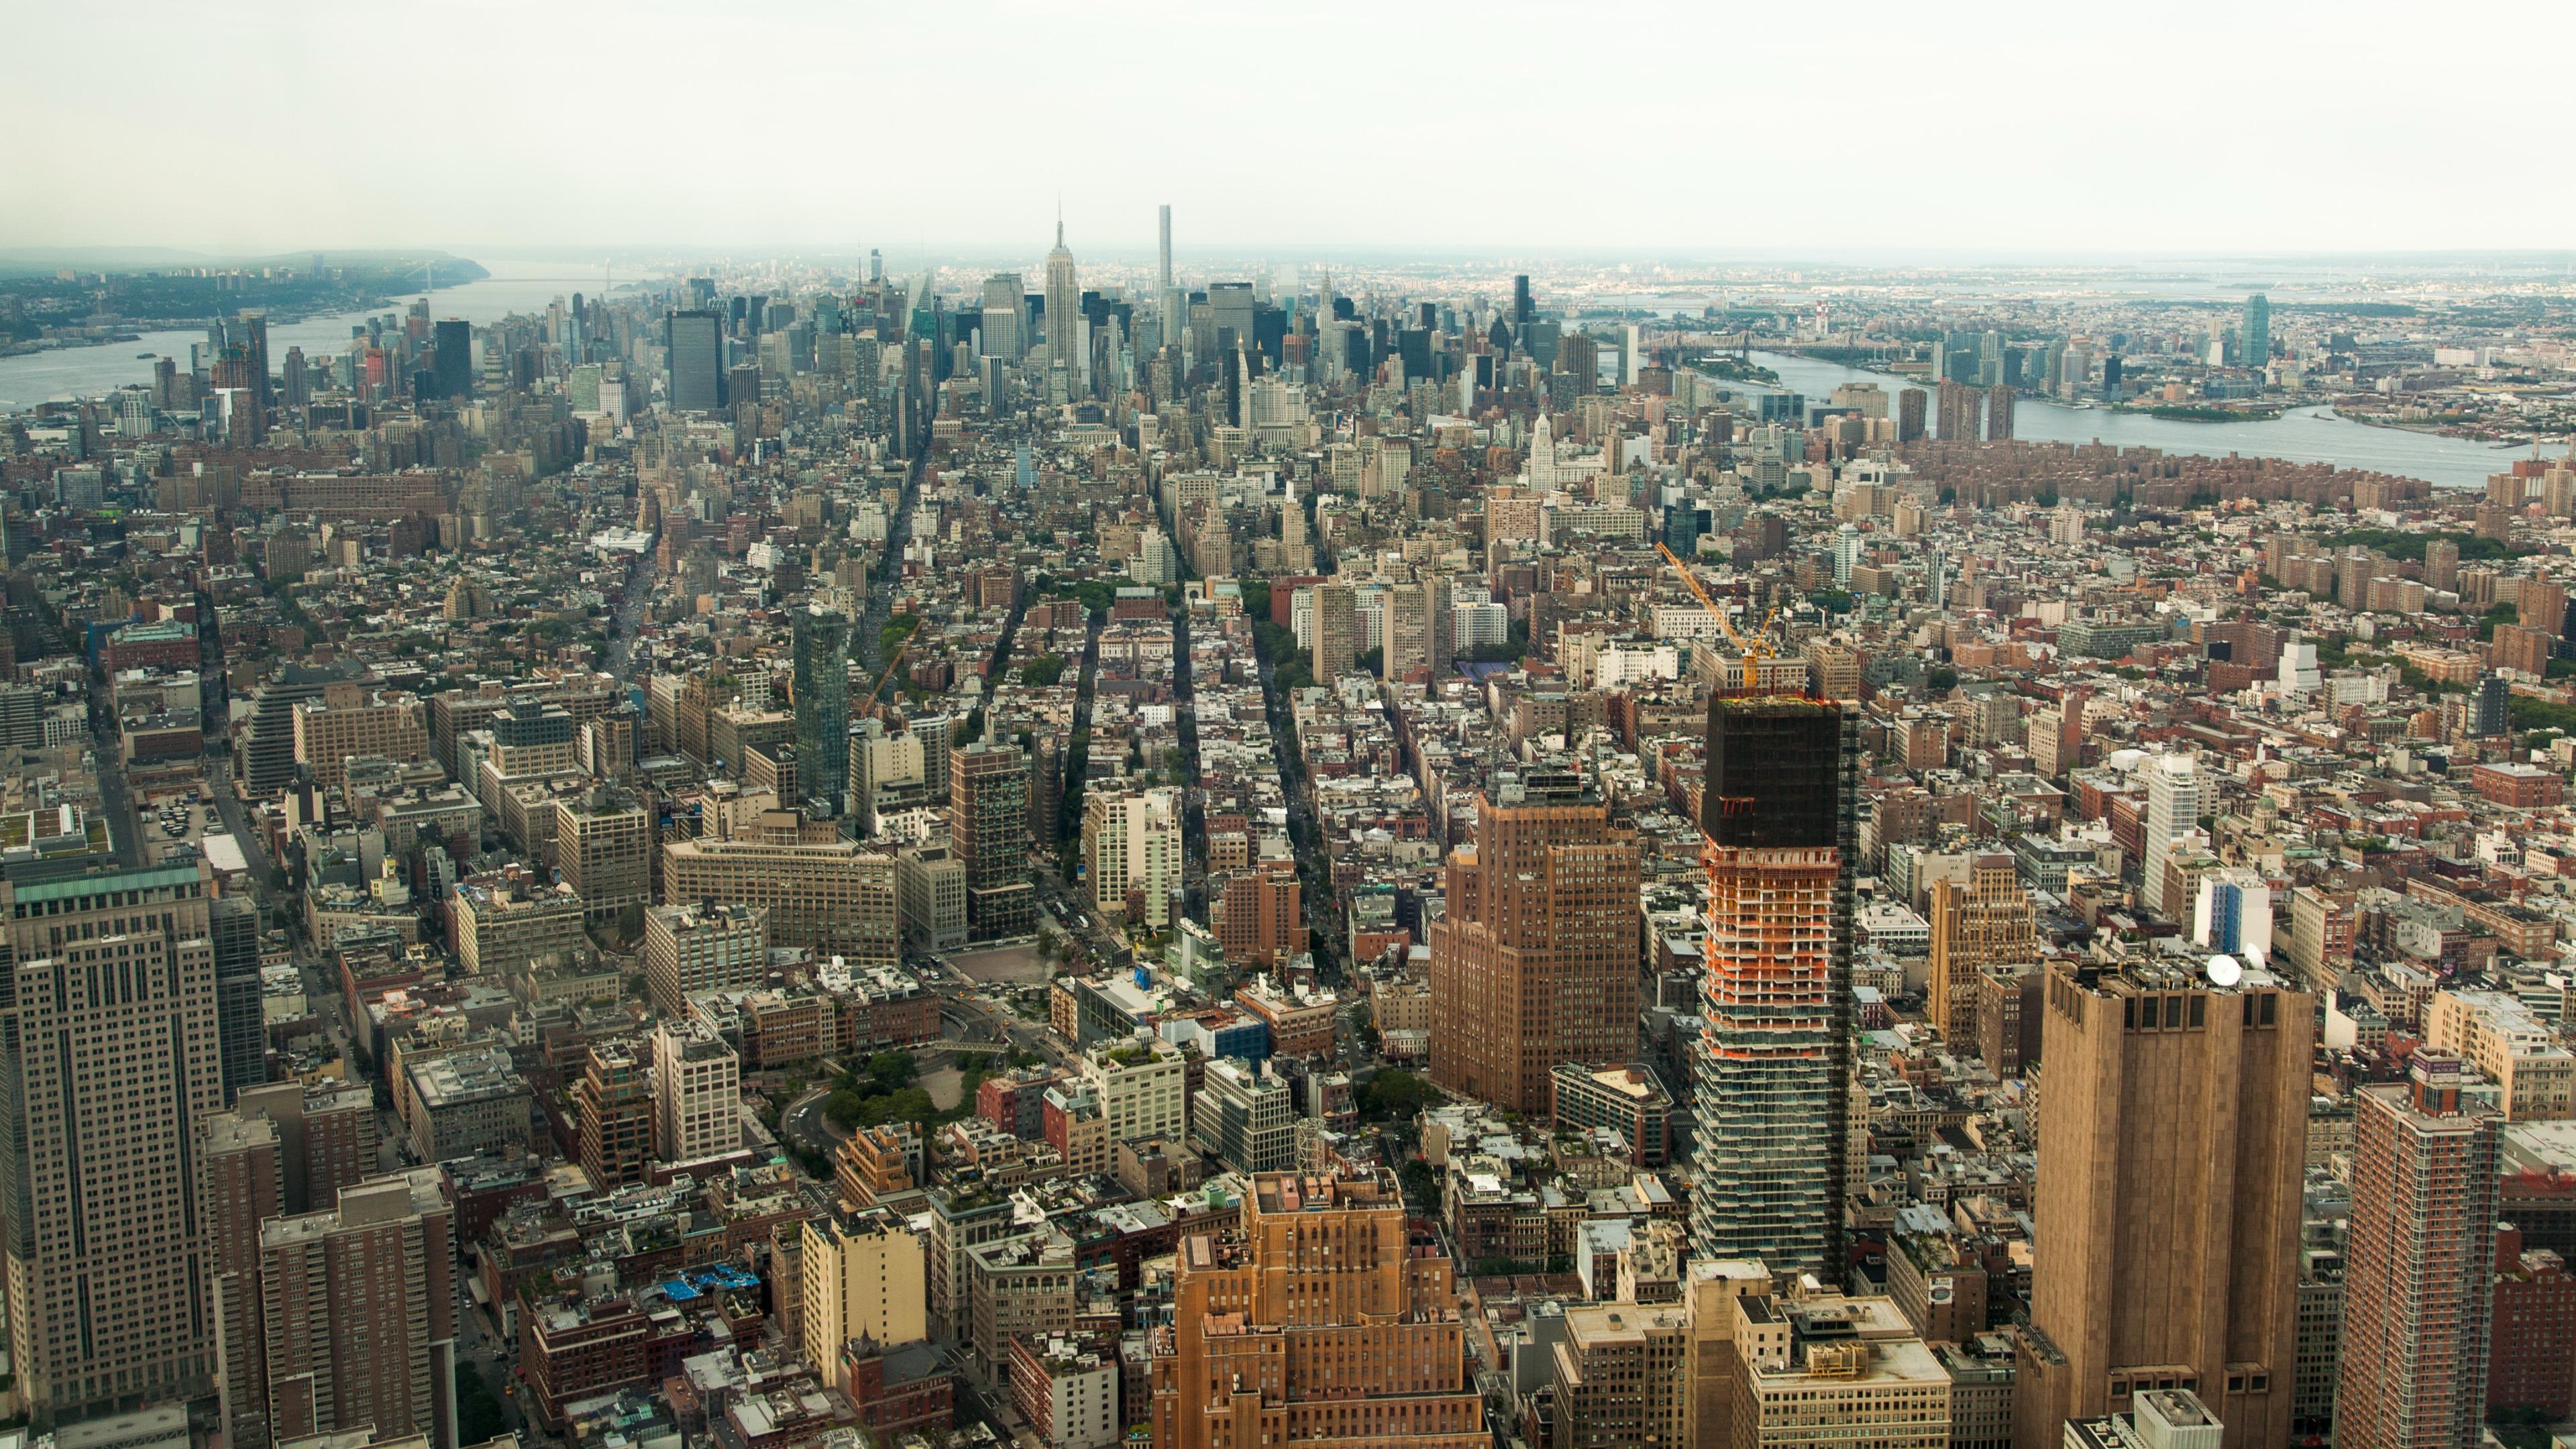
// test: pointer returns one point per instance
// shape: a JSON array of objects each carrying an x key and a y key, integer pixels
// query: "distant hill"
[{"x": 391, "y": 263}]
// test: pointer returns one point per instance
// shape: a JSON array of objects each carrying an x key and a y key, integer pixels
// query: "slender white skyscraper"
[
  {"x": 1167, "y": 248},
  {"x": 1063, "y": 305},
  {"x": 2173, "y": 811}
]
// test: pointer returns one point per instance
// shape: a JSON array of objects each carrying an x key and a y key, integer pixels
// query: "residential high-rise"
[
  {"x": 2171, "y": 1156},
  {"x": 2233, "y": 912},
  {"x": 454, "y": 370},
  {"x": 821, "y": 643},
  {"x": 283, "y": 1149},
  {"x": 359, "y": 1305},
  {"x": 1985, "y": 920},
  {"x": 1999, "y": 413},
  {"x": 1535, "y": 960},
  {"x": 1336, "y": 631},
  {"x": 1063, "y": 307},
  {"x": 2441, "y": 564},
  {"x": 1909, "y": 415},
  {"x": 1772, "y": 1061},
  {"x": 1960, "y": 405},
  {"x": 2173, "y": 811},
  {"x": 613, "y": 1103},
  {"x": 697, "y": 1093},
  {"x": 1163, "y": 283},
  {"x": 1405, "y": 630},
  {"x": 988, "y": 822},
  {"x": 110, "y": 1062},
  {"x": 694, "y": 344},
  {"x": 2491, "y": 713},
  {"x": 1321, "y": 1316},
  {"x": 862, "y": 1275},
  {"x": 2254, "y": 337},
  {"x": 1131, "y": 849},
  {"x": 2419, "y": 1263}
]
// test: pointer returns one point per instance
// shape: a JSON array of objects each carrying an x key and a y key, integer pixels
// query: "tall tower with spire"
[{"x": 1063, "y": 305}]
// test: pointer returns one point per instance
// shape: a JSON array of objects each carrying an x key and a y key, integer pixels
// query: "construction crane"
[
  {"x": 1755, "y": 649},
  {"x": 867, "y": 707}
]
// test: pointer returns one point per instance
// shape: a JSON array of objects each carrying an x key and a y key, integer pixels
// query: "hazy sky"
[{"x": 1978, "y": 128}]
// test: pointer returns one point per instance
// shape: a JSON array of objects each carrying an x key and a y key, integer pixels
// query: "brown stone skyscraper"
[
  {"x": 1536, "y": 961},
  {"x": 1318, "y": 1321},
  {"x": 2419, "y": 1269},
  {"x": 2171, "y": 1150},
  {"x": 1984, "y": 921},
  {"x": 283, "y": 1149},
  {"x": 359, "y": 1303}
]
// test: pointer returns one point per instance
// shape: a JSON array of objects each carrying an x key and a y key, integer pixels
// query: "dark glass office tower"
[
  {"x": 695, "y": 343},
  {"x": 454, "y": 372},
  {"x": 822, "y": 658}
]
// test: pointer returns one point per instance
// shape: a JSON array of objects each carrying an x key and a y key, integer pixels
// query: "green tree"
[
  {"x": 1397, "y": 1093},
  {"x": 892, "y": 1069},
  {"x": 846, "y": 1108},
  {"x": 479, "y": 1417}
]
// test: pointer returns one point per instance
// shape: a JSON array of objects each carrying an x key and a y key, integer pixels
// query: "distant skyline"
[{"x": 1950, "y": 135}]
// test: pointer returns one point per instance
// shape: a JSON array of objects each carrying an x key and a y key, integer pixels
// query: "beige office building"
[
  {"x": 693, "y": 948},
  {"x": 697, "y": 1093},
  {"x": 350, "y": 719},
  {"x": 835, "y": 897},
  {"x": 604, "y": 847}
]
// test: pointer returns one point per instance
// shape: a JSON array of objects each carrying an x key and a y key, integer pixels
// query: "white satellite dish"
[{"x": 2224, "y": 971}]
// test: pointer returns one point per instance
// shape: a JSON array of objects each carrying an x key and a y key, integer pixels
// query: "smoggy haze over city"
[{"x": 2008, "y": 131}]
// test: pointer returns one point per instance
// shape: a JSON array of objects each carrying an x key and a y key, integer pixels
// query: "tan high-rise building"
[
  {"x": 110, "y": 1066},
  {"x": 1535, "y": 962},
  {"x": 862, "y": 1276},
  {"x": 835, "y": 897},
  {"x": 2171, "y": 1153},
  {"x": 697, "y": 1093},
  {"x": 1405, "y": 629},
  {"x": 1711, "y": 1369},
  {"x": 1131, "y": 845},
  {"x": 1318, "y": 1320},
  {"x": 1984, "y": 921},
  {"x": 2419, "y": 1265},
  {"x": 349, "y": 719},
  {"x": 1335, "y": 630},
  {"x": 359, "y": 1303},
  {"x": 604, "y": 847}
]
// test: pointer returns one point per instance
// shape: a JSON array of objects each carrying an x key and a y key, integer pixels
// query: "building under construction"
[{"x": 1774, "y": 1053}]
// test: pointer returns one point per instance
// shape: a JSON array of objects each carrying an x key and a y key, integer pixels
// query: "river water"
[
  {"x": 2303, "y": 435},
  {"x": 513, "y": 287}
]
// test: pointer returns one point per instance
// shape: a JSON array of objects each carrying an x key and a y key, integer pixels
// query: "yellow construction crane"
[{"x": 1755, "y": 649}]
